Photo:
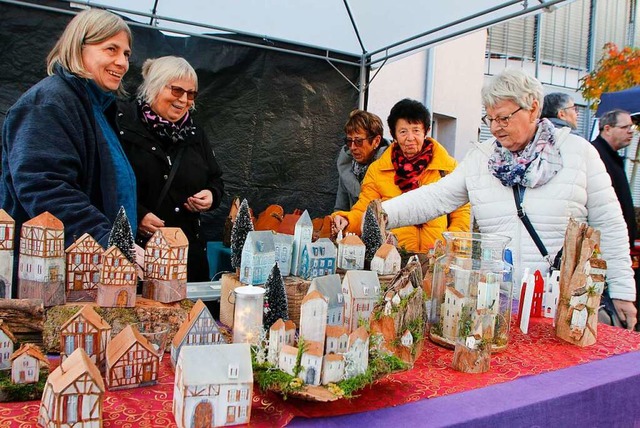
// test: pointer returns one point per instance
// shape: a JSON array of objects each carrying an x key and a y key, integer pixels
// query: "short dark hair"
[
  {"x": 370, "y": 123},
  {"x": 610, "y": 118},
  {"x": 410, "y": 110},
  {"x": 553, "y": 103}
]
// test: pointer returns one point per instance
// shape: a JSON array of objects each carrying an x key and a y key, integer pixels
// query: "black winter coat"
[{"x": 151, "y": 160}]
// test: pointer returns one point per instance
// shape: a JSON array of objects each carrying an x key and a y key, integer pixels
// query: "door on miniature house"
[
  {"x": 311, "y": 376},
  {"x": 203, "y": 415},
  {"x": 78, "y": 280},
  {"x": 53, "y": 273},
  {"x": 147, "y": 372},
  {"x": 231, "y": 414},
  {"x": 121, "y": 301},
  {"x": 3, "y": 287},
  {"x": 174, "y": 273}
]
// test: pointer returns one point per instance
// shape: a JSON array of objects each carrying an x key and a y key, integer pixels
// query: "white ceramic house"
[
  {"x": 258, "y": 257},
  {"x": 287, "y": 358},
  {"x": 26, "y": 363},
  {"x": 313, "y": 317},
  {"x": 283, "y": 245},
  {"x": 276, "y": 341},
  {"x": 213, "y": 386},
  {"x": 197, "y": 330},
  {"x": 302, "y": 235},
  {"x": 7, "y": 345},
  {"x": 337, "y": 340},
  {"x": 359, "y": 351},
  {"x": 311, "y": 363},
  {"x": 386, "y": 260},
  {"x": 330, "y": 286},
  {"x": 351, "y": 251},
  {"x": 318, "y": 259},
  {"x": 361, "y": 289},
  {"x": 332, "y": 368},
  {"x": 489, "y": 294},
  {"x": 407, "y": 339},
  {"x": 289, "y": 332},
  {"x": 84, "y": 258},
  {"x": 450, "y": 311},
  {"x": 7, "y": 234}
]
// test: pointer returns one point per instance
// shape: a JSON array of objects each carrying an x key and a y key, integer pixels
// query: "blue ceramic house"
[
  {"x": 258, "y": 257},
  {"x": 318, "y": 259}
]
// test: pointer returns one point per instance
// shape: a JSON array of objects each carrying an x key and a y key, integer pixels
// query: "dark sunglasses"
[
  {"x": 177, "y": 92},
  {"x": 357, "y": 141}
]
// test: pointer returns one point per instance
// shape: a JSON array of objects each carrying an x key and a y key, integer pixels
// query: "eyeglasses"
[
  {"x": 502, "y": 122},
  {"x": 625, "y": 127},
  {"x": 357, "y": 141},
  {"x": 573, "y": 107},
  {"x": 178, "y": 92}
]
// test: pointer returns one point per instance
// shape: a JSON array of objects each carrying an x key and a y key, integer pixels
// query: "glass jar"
[
  {"x": 247, "y": 318},
  {"x": 472, "y": 291}
]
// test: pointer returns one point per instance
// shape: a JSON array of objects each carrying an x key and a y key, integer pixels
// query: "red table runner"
[{"x": 538, "y": 352}]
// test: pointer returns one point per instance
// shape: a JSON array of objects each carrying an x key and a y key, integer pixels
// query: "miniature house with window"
[
  {"x": 289, "y": 332},
  {"x": 361, "y": 289},
  {"x": 258, "y": 257},
  {"x": 330, "y": 286},
  {"x": 337, "y": 340},
  {"x": 165, "y": 260},
  {"x": 84, "y": 258},
  {"x": 26, "y": 363},
  {"x": 87, "y": 330},
  {"x": 7, "y": 344},
  {"x": 41, "y": 264},
  {"x": 199, "y": 329},
  {"x": 358, "y": 352},
  {"x": 117, "y": 286},
  {"x": 313, "y": 317},
  {"x": 451, "y": 310},
  {"x": 132, "y": 361},
  {"x": 73, "y": 395},
  {"x": 283, "y": 245},
  {"x": 302, "y": 236},
  {"x": 213, "y": 386},
  {"x": 7, "y": 233},
  {"x": 311, "y": 362},
  {"x": 276, "y": 341},
  {"x": 318, "y": 259},
  {"x": 386, "y": 260},
  {"x": 351, "y": 251},
  {"x": 332, "y": 368}
]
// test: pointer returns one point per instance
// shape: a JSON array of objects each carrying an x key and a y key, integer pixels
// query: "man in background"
[{"x": 561, "y": 110}]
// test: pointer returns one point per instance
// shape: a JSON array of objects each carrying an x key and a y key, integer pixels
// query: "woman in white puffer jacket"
[{"x": 559, "y": 176}]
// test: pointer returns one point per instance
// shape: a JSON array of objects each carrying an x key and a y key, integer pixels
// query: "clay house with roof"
[
  {"x": 197, "y": 330},
  {"x": 451, "y": 310},
  {"x": 318, "y": 259},
  {"x": 283, "y": 245},
  {"x": 118, "y": 280},
  {"x": 289, "y": 332},
  {"x": 7, "y": 233},
  {"x": 84, "y": 258},
  {"x": 330, "y": 286},
  {"x": 332, "y": 368},
  {"x": 7, "y": 345},
  {"x": 287, "y": 358},
  {"x": 361, "y": 289},
  {"x": 165, "y": 261},
  {"x": 276, "y": 341},
  {"x": 73, "y": 395},
  {"x": 258, "y": 257},
  {"x": 351, "y": 251},
  {"x": 41, "y": 262},
  {"x": 302, "y": 235},
  {"x": 358, "y": 351},
  {"x": 132, "y": 360},
  {"x": 89, "y": 331},
  {"x": 311, "y": 362},
  {"x": 26, "y": 363},
  {"x": 337, "y": 340},
  {"x": 213, "y": 386},
  {"x": 387, "y": 260},
  {"x": 313, "y": 317}
]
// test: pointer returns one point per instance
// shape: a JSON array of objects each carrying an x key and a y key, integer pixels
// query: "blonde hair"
[
  {"x": 89, "y": 27},
  {"x": 159, "y": 72},
  {"x": 513, "y": 85}
]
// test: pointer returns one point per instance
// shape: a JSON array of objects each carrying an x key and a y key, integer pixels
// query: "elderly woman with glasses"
[
  {"x": 412, "y": 160},
  {"x": 177, "y": 174},
  {"x": 556, "y": 175}
]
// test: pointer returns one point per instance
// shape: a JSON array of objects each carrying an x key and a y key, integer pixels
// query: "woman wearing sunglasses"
[
  {"x": 412, "y": 160},
  {"x": 177, "y": 174}
]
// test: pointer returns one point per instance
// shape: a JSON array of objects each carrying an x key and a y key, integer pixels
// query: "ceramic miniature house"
[
  {"x": 258, "y": 257},
  {"x": 7, "y": 344},
  {"x": 117, "y": 286},
  {"x": 318, "y": 259},
  {"x": 337, "y": 340},
  {"x": 276, "y": 341},
  {"x": 330, "y": 286},
  {"x": 87, "y": 330},
  {"x": 7, "y": 233},
  {"x": 302, "y": 236},
  {"x": 361, "y": 289},
  {"x": 386, "y": 260},
  {"x": 351, "y": 251},
  {"x": 199, "y": 329},
  {"x": 165, "y": 259},
  {"x": 132, "y": 361},
  {"x": 283, "y": 245},
  {"x": 84, "y": 258},
  {"x": 41, "y": 265},
  {"x": 311, "y": 363},
  {"x": 358, "y": 351},
  {"x": 26, "y": 363},
  {"x": 73, "y": 395},
  {"x": 213, "y": 386},
  {"x": 313, "y": 317},
  {"x": 332, "y": 368},
  {"x": 451, "y": 311}
]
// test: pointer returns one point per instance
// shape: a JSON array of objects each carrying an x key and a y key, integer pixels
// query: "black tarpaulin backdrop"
[{"x": 274, "y": 119}]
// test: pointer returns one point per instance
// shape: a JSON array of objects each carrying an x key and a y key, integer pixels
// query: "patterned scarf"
[
  {"x": 166, "y": 131},
  {"x": 359, "y": 170},
  {"x": 531, "y": 167},
  {"x": 408, "y": 171}
]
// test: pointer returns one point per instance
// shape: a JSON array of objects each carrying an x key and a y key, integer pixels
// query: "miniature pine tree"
[
  {"x": 122, "y": 236},
  {"x": 371, "y": 236},
  {"x": 275, "y": 299},
  {"x": 242, "y": 226}
]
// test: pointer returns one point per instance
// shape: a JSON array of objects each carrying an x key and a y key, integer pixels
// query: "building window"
[{"x": 128, "y": 372}]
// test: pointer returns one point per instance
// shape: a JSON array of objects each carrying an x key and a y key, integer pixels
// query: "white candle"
[{"x": 247, "y": 319}]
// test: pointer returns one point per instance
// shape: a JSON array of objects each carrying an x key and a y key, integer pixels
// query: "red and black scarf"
[{"x": 408, "y": 171}]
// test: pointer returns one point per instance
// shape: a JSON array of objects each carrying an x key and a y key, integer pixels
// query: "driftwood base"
[{"x": 467, "y": 360}]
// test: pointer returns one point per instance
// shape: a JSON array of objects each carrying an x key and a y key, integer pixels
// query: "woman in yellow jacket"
[{"x": 411, "y": 161}]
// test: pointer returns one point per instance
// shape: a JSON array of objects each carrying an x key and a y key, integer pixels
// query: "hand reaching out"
[
  {"x": 149, "y": 224},
  {"x": 199, "y": 202}
]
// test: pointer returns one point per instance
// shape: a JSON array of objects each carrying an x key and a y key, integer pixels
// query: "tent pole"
[{"x": 362, "y": 84}]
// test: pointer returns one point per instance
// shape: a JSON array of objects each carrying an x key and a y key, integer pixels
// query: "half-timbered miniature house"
[
  {"x": 283, "y": 245},
  {"x": 132, "y": 360},
  {"x": 386, "y": 260},
  {"x": 258, "y": 257},
  {"x": 26, "y": 363},
  {"x": 73, "y": 395},
  {"x": 41, "y": 261},
  {"x": 332, "y": 368},
  {"x": 198, "y": 329},
  {"x": 7, "y": 233},
  {"x": 361, "y": 289},
  {"x": 313, "y": 317},
  {"x": 359, "y": 351},
  {"x": 213, "y": 386},
  {"x": 318, "y": 259},
  {"x": 7, "y": 344},
  {"x": 87, "y": 330},
  {"x": 330, "y": 286},
  {"x": 84, "y": 258},
  {"x": 276, "y": 341},
  {"x": 337, "y": 340},
  {"x": 311, "y": 362},
  {"x": 302, "y": 236},
  {"x": 351, "y": 251},
  {"x": 165, "y": 261},
  {"x": 117, "y": 286}
]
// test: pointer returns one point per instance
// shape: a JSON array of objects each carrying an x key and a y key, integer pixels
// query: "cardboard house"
[
  {"x": 213, "y": 386},
  {"x": 311, "y": 362},
  {"x": 132, "y": 360},
  {"x": 337, "y": 340},
  {"x": 73, "y": 395},
  {"x": 7, "y": 344},
  {"x": 351, "y": 251},
  {"x": 361, "y": 289},
  {"x": 41, "y": 261},
  {"x": 386, "y": 260},
  {"x": 84, "y": 258},
  {"x": 330, "y": 286},
  {"x": 313, "y": 317},
  {"x": 117, "y": 286},
  {"x": 258, "y": 257},
  {"x": 332, "y": 368},
  {"x": 26, "y": 363},
  {"x": 165, "y": 261},
  {"x": 358, "y": 351},
  {"x": 7, "y": 234},
  {"x": 87, "y": 330},
  {"x": 318, "y": 259},
  {"x": 283, "y": 245},
  {"x": 197, "y": 330},
  {"x": 302, "y": 235}
]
